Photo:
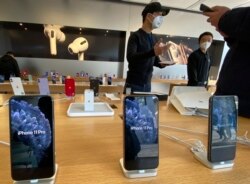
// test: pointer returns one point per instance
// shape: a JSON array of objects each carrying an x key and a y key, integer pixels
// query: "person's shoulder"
[
  {"x": 7, "y": 58},
  {"x": 4, "y": 57},
  {"x": 136, "y": 33},
  {"x": 195, "y": 53}
]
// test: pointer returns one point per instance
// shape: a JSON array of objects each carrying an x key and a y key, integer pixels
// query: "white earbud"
[
  {"x": 78, "y": 46},
  {"x": 54, "y": 33}
]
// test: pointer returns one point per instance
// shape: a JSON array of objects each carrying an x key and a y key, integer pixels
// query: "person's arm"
[
  {"x": 236, "y": 24},
  {"x": 157, "y": 63},
  {"x": 161, "y": 49},
  {"x": 232, "y": 24},
  {"x": 133, "y": 54},
  {"x": 192, "y": 71},
  {"x": 16, "y": 68}
]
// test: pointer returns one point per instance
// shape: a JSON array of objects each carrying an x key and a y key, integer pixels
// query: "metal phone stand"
[
  {"x": 202, "y": 157},
  {"x": 51, "y": 180},
  {"x": 138, "y": 173}
]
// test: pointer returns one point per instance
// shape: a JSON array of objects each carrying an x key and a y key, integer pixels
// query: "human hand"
[
  {"x": 167, "y": 64},
  {"x": 160, "y": 48},
  {"x": 214, "y": 17},
  {"x": 164, "y": 57}
]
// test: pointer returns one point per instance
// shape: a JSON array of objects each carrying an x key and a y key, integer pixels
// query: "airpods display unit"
[
  {"x": 78, "y": 46},
  {"x": 54, "y": 33}
]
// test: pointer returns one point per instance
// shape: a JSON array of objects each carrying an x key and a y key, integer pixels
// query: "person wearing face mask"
[
  {"x": 199, "y": 62},
  {"x": 143, "y": 50}
]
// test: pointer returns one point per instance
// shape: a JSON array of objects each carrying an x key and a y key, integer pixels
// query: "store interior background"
[{"x": 100, "y": 14}]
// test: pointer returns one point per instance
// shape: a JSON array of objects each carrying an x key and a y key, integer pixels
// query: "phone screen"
[
  {"x": 222, "y": 128},
  {"x": 141, "y": 149},
  {"x": 31, "y": 137}
]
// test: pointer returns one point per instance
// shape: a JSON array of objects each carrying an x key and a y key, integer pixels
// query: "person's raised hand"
[{"x": 215, "y": 15}]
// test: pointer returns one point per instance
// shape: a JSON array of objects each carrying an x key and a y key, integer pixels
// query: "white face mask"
[
  {"x": 205, "y": 45},
  {"x": 157, "y": 22}
]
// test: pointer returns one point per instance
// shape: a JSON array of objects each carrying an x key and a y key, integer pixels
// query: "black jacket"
[
  {"x": 234, "y": 78},
  {"x": 141, "y": 58},
  {"x": 198, "y": 68},
  {"x": 8, "y": 67}
]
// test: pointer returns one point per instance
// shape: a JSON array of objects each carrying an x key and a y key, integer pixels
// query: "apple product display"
[
  {"x": 30, "y": 79},
  {"x": 54, "y": 33},
  {"x": 222, "y": 128},
  {"x": 17, "y": 85},
  {"x": 78, "y": 46},
  {"x": 63, "y": 79},
  {"x": 94, "y": 85},
  {"x": 100, "y": 109},
  {"x": 109, "y": 80},
  {"x": 31, "y": 137},
  {"x": 190, "y": 100},
  {"x": 70, "y": 87},
  {"x": 53, "y": 79},
  {"x": 43, "y": 85},
  {"x": 141, "y": 142},
  {"x": 1, "y": 78},
  {"x": 89, "y": 100}
]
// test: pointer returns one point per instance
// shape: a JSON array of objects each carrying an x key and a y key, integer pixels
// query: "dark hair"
[
  {"x": 154, "y": 7},
  {"x": 143, "y": 18},
  {"x": 10, "y": 53},
  {"x": 204, "y": 34}
]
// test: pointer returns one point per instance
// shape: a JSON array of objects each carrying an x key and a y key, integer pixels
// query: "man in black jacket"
[
  {"x": 9, "y": 66},
  {"x": 199, "y": 62},
  {"x": 143, "y": 50},
  {"x": 234, "y": 26}
]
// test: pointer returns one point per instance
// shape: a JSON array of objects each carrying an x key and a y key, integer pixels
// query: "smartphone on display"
[
  {"x": 63, "y": 79},
  {"x": 1, "y": 78},
  {"x": 17, "y": 86},
  {"x": 31, "y": 137},
  {"x": 205, "y": 8},
  {"x": 53, "y": 79},
  {"x": 43, "y": 85},
  {"x": 94, "y": 84},
  {"x": 222, "y": 128},
  {"x": 70, "y": 87},
  {"x": 141, "y": 131}
]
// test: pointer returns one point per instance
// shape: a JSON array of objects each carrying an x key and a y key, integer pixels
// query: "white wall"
[{"x": 97, "y": 14}]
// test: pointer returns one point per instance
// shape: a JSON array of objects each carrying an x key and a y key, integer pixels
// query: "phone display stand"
[
  {"x": 100, "y": 109},
  {"x": 138, "y": 173},
  {"x": 51, "y": 180},
  {"x": 202, "y": 157}
]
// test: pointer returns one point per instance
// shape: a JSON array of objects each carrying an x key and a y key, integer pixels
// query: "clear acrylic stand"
[
  {"x": 51, "y": 180},
  {"x": 138, "y": 173},
  {"x": 202, "y": 157}
]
